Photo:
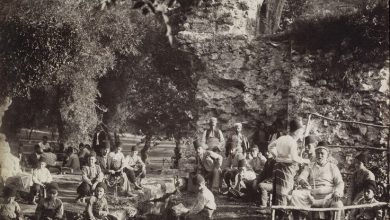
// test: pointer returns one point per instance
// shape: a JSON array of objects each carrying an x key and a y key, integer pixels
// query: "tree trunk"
[
  {"x": 146, "y": 148},
  {"x": 177, "y": 156},
  {"x": 269, "y": 15}
]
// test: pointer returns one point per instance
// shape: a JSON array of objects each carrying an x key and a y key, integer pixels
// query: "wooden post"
[{"x": 388, "y": 171}]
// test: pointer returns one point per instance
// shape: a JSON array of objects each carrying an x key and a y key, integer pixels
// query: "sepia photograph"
[{"x": 194, "y": 110}]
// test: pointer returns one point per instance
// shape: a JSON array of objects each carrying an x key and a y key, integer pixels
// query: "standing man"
[
  {"x": 213, "y": 137},
  {"x": 237, "y": 141},
  {"x": 285, "y": 151}
]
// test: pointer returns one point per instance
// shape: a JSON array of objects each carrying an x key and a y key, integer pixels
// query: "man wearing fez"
[
  {"x": 322, "y": 184},
  {"x": 213, "y": 137},
  {"x": 209, "y": 165},
  {"x": 237, "y": 141}
]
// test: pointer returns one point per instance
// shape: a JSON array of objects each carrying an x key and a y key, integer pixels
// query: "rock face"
[
  {"x": 253, "y": 80},
  {"x": 245, "y": 80}
]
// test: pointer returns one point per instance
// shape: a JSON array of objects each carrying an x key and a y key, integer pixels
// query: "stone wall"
[
  {"x": 245, "y": 80},
  {"x": 254, "y": 80}
]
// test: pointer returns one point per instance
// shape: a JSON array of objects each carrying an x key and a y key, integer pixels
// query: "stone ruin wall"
[{"x": 247, "y": 79}]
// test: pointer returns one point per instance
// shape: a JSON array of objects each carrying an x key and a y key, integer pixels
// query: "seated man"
[
  {"x": 322, "y": 185},
  {"x": 135, "y": 168},
  {"x": 231, "y": 169},
  {"x": 263, "y": 183},
  {"x": 73, "y": 160},
  {"x": 209, "y": 165},
  {"x": 204, "y": 205},
  {"x": 40, "y": 177},
  {"x": 91, "y": 176},
  {"x": 256, "y": 160},
  {"x": 375, "y": 213},
  {"x": 359, "y": 178},
  {"x": 116, "y": 163},
  {"x": 34, "y": 157},
  {"x": 243, "y": 180},
  {"x": 102, "y": 160},
  {"x": 51, "y": 160},
  {"x": 44, "y": 144}
]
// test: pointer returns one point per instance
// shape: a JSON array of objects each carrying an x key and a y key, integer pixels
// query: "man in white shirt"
[
  {"x": 116, "y": 163},
  {"x": 45, "y": 146},
  {"x": 135, "y": 168},
  {"x": 212, "y": 138},
  {"x": 205, "y": 205},
  {"x": 322, "y": 184}
]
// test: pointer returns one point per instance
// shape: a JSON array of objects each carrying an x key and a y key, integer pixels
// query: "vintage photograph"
[{"x": 194, "y": 110}]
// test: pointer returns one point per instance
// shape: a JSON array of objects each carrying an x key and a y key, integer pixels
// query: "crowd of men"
[{"x": 295, "y": 176}]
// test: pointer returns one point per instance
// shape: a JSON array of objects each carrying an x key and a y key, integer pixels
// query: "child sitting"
[
  {"x": 51, "y": 207},
  {"x": 10, "y": 209},
  {"x": 41, "y": 177},
  {"x": 97, "y": 207},
  {"x": 374, "y": 213}
]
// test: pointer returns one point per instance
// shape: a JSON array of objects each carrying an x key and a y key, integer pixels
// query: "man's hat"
[
  {"x": 197, "y": 144},
  {"x": 134, "y": 148},
  {"x": 9, "y": 192},
  {"x": 362, "y": 158},
  {"x": 311, "y": 139},
  {"x": 241, "y": 163},
  {"x": 296, "y": 124},
  {"x": 198, "y": 179},
  {"x": 370, "y": 184},
  {"x": 322, "y": 145},
  {"x": 52, "y": 187}
]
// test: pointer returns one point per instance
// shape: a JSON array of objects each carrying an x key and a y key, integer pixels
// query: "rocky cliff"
[{"x": 250, "y": 79}]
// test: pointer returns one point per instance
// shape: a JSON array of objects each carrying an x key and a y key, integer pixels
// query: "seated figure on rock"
[
  {"x": 135, "y": 168},
  {"x": 359, "y": 178},
  {"x": 322, "y": 186},
  {"x": 231, "y": 170},
  {"x": 204, "y": 205},
  {"x": 97, "y": 206},
  {"x": 243, "y": 181},
  {"x": 51, "y": 207},
  {"x": 256, "y": 160},
  {"x": 10, "y": 209},
  {"x": 116, "y": 164},
  {"x": 92, "y": 175},
  {"x": 209, "y": 166},
  {"x": 263, "y": 183},
  {"x": 73, "y": 161},
  {"x": 374, "y": 213},
  {"x": 41, "y": 177},
  {"x": 33, "y": 159}
]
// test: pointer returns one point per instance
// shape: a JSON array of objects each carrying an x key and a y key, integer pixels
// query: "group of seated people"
[
  {"x": 296, "y": 177},
  {"x": 100, "y": 170}
]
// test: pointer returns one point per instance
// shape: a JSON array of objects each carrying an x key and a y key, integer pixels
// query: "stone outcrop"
[{"x": 248, "y": 79}]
